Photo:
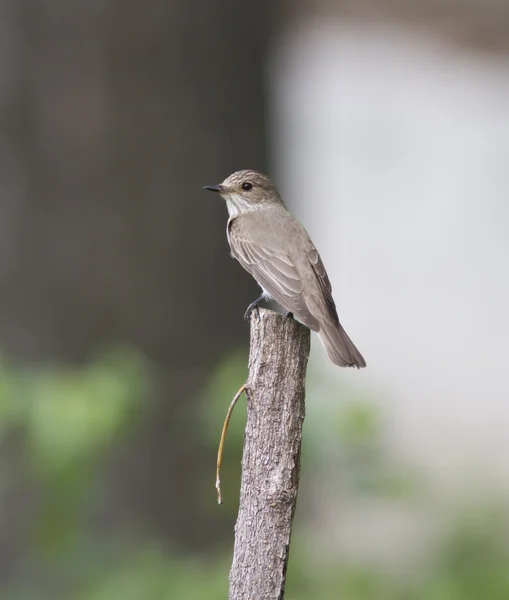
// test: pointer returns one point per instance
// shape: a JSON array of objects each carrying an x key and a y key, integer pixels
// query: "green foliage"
[
  {"x": 69, "y": 418},
  {"x": 70, "y": 414},
  {"x": 152, "y": 574}
]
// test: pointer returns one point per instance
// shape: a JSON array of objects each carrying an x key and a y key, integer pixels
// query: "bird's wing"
[
  {"x": 339, "y": 346},
  {"x": 273, "y": 268},
  {"x": 324, "y": 281}
]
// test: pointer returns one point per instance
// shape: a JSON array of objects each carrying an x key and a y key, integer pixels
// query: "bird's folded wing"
[
  {"x": 324, "y": 281},
  {"x": 275, "y": 271}
]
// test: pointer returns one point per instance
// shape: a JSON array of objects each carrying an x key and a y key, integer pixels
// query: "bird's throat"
[{"x": 238, "y": 205}]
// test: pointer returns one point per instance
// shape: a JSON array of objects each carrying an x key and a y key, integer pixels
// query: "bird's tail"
[{"x": 339, "y": 347}]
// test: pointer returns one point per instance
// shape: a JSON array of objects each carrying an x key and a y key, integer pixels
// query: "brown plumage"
[{"x": 271, "y": 245}]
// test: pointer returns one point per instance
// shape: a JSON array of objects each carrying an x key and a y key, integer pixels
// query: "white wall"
[{"x": 394, "y": 152}]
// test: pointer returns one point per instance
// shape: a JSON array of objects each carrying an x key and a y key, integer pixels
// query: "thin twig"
[{"x": 221, "y": 441}]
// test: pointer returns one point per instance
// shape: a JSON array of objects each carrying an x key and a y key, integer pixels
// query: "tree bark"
[{"x": 271, "y": 459}]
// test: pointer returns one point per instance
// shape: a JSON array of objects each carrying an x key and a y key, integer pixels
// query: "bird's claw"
[
  {"x": 253, "y": 306},
  {"x": 250, "y": 309}
]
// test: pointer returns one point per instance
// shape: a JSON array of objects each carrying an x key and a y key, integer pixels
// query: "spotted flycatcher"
[{"x": 271, "y": 245}]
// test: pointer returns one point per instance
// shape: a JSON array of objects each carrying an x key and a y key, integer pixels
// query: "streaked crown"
[
  {"x": 254, "y": 178},
  {"x": 252, "y": 186}
]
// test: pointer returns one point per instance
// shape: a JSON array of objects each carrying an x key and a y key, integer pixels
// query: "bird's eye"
[{"x": 247, "y": 186}]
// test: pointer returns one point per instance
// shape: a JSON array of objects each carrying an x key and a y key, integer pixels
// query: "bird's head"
[{"x": 246, "y": 191}]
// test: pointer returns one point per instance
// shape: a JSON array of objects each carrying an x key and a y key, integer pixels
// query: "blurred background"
[{"x": 386, "y": 125}]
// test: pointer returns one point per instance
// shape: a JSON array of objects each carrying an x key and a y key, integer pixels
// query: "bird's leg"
[{"x": 252, "y": 306}]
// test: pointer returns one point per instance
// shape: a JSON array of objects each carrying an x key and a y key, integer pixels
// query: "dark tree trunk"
[{"x": 114, "y": 115}]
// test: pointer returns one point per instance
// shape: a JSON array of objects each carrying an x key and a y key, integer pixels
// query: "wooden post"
[{"x": 271, "y": 457}]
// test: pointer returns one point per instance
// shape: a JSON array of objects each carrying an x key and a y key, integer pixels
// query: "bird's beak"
[{"x": 213, "y": 188}]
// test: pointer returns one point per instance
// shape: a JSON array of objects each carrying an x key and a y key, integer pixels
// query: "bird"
[{"x": 277, "y": 251}]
